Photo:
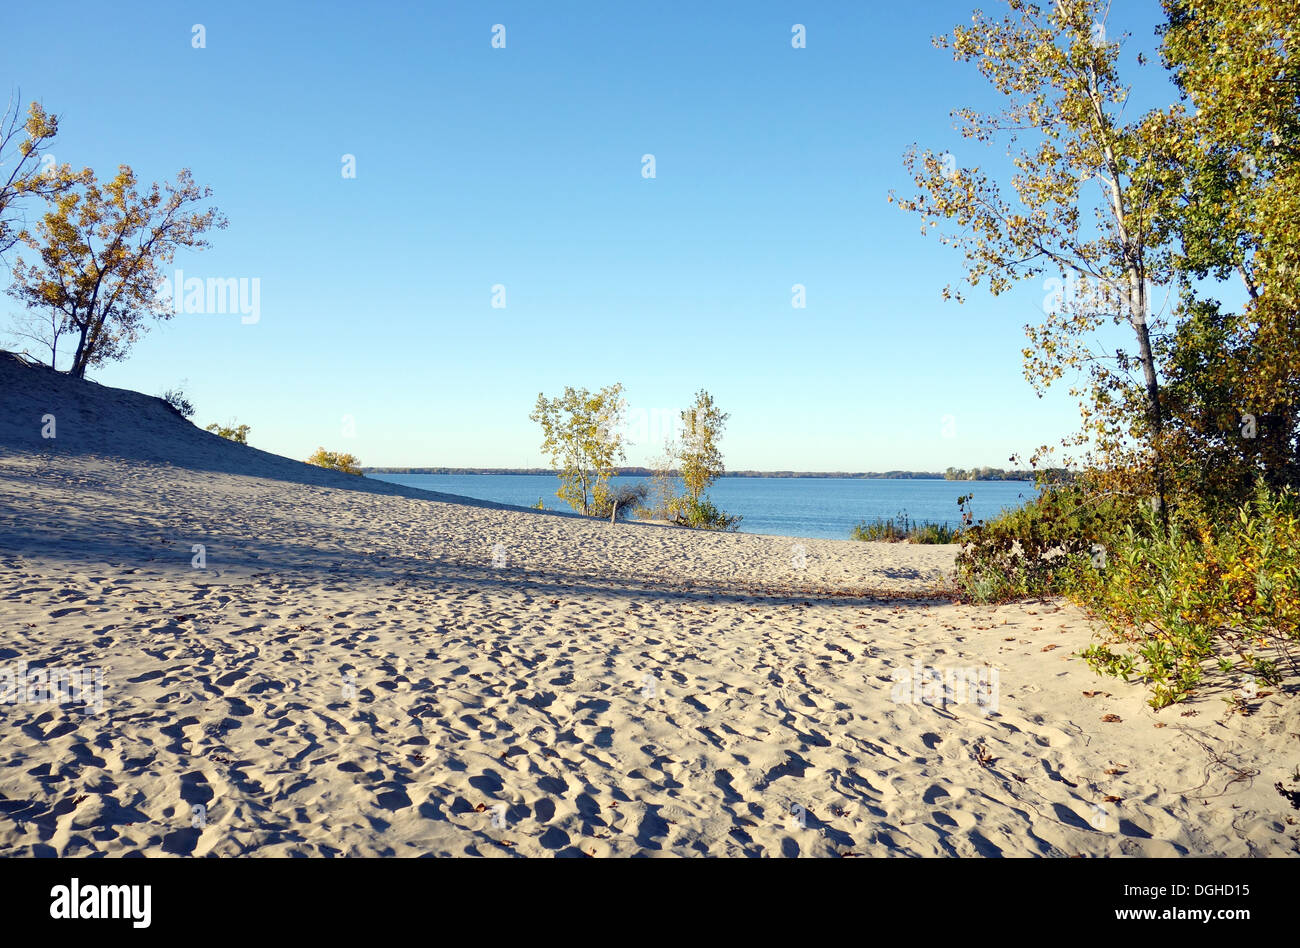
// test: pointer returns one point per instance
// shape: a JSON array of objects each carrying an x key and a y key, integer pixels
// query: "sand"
[{"x": 357, "y": 668}]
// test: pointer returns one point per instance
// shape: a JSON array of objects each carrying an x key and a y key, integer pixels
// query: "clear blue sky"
[{"x": 522, "y": 166}]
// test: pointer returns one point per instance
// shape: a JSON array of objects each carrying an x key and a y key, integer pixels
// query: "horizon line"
[{"x": 641, "y": 471}]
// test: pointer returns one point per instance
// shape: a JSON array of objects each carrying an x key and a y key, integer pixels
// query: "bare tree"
[{"x": 43, "y": 327}]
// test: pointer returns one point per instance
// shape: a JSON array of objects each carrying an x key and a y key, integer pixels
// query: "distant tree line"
[{"x": 1056, "y": 475}]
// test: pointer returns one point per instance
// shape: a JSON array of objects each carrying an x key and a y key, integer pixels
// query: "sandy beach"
[{"x": 300, "y": 662}]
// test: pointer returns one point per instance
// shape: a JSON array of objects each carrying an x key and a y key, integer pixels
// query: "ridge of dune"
[
  {"x": 362, "y": 668},
  {"x": 96, "y": 420}
]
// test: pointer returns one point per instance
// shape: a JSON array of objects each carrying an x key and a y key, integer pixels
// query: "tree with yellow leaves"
[
  {"x": 1091, "y": 199},
  {"x": 99, "y": 255},
  {"x": 580, "y": 431},
  {"x": 28, "y": 175}
]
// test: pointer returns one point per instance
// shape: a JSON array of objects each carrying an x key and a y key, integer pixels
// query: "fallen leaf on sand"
[
  {"x": 1111, "y": 718},
  {"x": 1048, "y": 648},
  {"x": 1093, "y": 694}
]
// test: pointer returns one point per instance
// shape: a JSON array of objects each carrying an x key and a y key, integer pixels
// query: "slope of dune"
[
  {"x": 91, "y": 420},
  {"x": 296, "y": 661}
]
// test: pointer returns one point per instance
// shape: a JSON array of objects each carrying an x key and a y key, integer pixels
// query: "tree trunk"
[
  {"x": 1155, "y": 417},
  {"x": 78, "y": 368}
]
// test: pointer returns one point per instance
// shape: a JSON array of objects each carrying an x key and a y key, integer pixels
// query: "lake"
[{"x": 816, "y": 507}]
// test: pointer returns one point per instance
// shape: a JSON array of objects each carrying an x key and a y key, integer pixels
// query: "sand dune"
[{"x": 353, "y": 667}]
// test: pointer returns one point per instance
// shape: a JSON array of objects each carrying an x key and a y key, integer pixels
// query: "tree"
[
  {"x": 43, "y": 327},
  {"x": 232, "y": 433},
  {"x": 346, "y": 463},
  {"x": 701, "y": 460},
  {"x": 20, "y": 148},
  {"x": 100, "y": 250},
  {"x": 580, "y": 433},
  {"x": 701, "y": 464},
  {"x": 1060, "y": 78},
  {"x": 1237, "y": 375}
]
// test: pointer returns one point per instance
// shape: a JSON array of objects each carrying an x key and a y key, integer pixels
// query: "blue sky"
[{"x": 522, "y": 167}]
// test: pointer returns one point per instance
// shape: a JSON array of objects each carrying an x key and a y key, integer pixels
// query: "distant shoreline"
[{"x": 646, "y": 472}]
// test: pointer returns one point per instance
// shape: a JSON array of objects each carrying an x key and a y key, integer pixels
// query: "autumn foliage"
[
  {"x": 335, "y": 461},
  {"x": 1179, "y": 531}
]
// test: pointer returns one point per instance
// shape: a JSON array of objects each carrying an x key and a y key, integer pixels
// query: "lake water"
[{"x": 817, "y": 507}]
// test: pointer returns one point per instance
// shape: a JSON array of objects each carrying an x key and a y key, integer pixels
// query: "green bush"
[
  {"x": 895, "y": 530},
  {"x": 1173, "y": 600},
  {"x": 700, "y": 514},
  {"x": 1031, "y": 551}
]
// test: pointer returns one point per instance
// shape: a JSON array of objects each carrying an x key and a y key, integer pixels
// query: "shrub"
[
  {"x": 237, "y": 434},
  {"x": 894, "y": 530},
  {"x": 935, "y": 533},
  {"x": 626, "y": 499},
  {"x": 336, "y": 462},
  {"x": 700, "y": 514},
  {"x": 1173, "y": 600},
  {"x": 177, "y": 400},
  {"x": 1032, "y": 550}
]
